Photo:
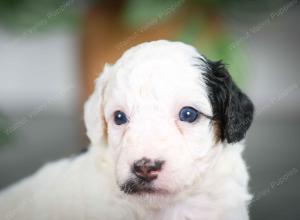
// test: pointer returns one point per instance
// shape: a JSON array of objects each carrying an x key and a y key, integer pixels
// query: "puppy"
[{"x": 166, "y": 127}]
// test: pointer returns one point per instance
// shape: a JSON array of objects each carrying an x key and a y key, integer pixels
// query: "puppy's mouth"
[{"x": 137, "y": 186}]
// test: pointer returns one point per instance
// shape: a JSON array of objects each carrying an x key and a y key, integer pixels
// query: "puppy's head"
[{"x": 164, "y": 110}]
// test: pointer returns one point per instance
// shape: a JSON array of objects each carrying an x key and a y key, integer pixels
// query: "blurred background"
[{"x": 52, "y": 50}]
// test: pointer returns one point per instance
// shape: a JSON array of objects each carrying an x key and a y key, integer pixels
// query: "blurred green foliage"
[
  {"x": 19, "y": 15},
  {"x": 139, "y": 12}
]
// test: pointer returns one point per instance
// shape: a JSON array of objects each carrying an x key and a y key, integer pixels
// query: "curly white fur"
[{"x": 201, "y": 179}]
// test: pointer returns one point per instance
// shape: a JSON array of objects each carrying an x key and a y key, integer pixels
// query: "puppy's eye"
[
  {"x": 120, "y": 118},
  {"x": 188, "y": 114}
]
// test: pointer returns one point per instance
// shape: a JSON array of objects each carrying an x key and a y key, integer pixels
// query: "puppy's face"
[
  {"x": 158, "y": 124},
  {"x": 162, "y": 117}
]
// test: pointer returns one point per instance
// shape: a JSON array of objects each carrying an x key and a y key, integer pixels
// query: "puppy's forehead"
[
  {"x": 159, "y": 50},
  {"x": 159, "y": 61},
  {"x": 163, "y": 70}
]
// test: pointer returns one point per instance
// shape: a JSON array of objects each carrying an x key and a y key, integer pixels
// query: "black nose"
[{"x": 147, "y": 169}]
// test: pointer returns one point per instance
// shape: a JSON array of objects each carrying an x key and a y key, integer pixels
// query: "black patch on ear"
[{"x": 232, "y": 109}]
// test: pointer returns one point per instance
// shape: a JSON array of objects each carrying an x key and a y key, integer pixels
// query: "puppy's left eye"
[
  {"x": 120, "y": 118},
  {"x": 188, "y": 114}
]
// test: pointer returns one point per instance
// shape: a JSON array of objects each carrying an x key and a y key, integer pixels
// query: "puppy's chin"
[{"x": 150, "y": 194}]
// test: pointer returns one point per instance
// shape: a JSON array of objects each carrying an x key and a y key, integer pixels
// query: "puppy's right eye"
[{"x": 120, "y": 118}]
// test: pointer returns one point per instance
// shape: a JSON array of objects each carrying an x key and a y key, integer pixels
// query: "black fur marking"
[
  {"x": 232, "y": 109},
  {"x": 136, "y": 186}
]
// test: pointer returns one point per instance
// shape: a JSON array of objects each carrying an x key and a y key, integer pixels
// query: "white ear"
[{"x": 93, "y": 110}]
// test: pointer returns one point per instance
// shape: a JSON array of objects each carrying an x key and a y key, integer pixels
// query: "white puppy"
[{"x": 165, "y": 126}]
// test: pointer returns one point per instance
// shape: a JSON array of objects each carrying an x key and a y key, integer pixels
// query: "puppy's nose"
[{"x": 147, "y": 169}]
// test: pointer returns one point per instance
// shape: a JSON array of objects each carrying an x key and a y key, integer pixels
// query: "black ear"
[{"x": 232, "y": 109}]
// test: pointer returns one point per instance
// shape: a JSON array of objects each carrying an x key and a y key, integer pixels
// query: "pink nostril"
[{"x": 147, "y": 169}]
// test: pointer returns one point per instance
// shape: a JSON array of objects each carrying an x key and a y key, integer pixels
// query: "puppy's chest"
[
  {"x": 203, "y": 206},
  {"x": 186, "y": 211},
  {"x": 226, "y": 205}
]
